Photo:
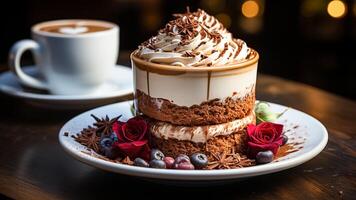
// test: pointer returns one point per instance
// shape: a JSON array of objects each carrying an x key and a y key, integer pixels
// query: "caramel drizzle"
[
  {"x": 208, "y": 88},
  {"x": 148, "y": 81}
]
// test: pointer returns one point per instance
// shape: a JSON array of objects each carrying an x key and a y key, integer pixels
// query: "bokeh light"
[
  {"x": 336, "y": 8},
  {"x": 310, "y": 8},
  {"x": 250, "y": 8},
  {"x": 151, "y": 21},
  {"x": 224, "y": 19}
]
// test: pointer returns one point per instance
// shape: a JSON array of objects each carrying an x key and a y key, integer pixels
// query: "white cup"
[{"x": 70, "y": 63}]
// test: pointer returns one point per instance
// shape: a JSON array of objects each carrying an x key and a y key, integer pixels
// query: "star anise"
[
  {"x": 229, "y": 160},
  {"x": 103, "y": 125},
  {"x": 88, "y": 138}
]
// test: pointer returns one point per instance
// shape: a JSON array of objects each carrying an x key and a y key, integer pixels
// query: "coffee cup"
[{"x": 73, "y": 56}]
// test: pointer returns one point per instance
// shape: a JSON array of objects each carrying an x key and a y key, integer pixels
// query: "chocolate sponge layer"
[{"x": 209, "y": 112}]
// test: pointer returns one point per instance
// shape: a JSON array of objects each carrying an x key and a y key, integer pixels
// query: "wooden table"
[{"x": 34, "y": 166}]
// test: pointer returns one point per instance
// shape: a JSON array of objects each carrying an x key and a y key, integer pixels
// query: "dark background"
[{"x": 296, "y": 39}]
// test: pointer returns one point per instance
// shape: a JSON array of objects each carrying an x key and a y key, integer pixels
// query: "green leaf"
[{"x": 133, "y": 110}]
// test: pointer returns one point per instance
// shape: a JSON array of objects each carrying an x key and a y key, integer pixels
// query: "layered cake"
[{"x": 196, "y": 84}]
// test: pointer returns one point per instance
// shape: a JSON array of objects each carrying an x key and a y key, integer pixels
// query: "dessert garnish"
[
  {"x": 127, "y": 161},
  {"x": 230, "y": 160},
  {"x": 285, "y": 139},
  {"x": 183, "y": 162},
  {"x": 140, "y": 162},
  {"x": 128, "y": 143},
  {"x": 104, "y": 125},
  {"x": 89, "y": 138},
  {"x": 199, "y": 160},
  {"x": 264, "y": 157},
  {"x": 132, "y": 137},
  {"x": 194, "y": 39},
  {"x": 157, "y": 154},
  {"x": 169, "y": 162},
  {"x": 264, "y": 114},
  {"x": 264, "y": 136},
  {"x": 155, "y": 163},
  {"x": 157, "y": 159}
]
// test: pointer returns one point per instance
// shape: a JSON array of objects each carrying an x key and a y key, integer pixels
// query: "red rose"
[
  {"x": 265, "y": 136},
  {"x": 132, "y": 138}
]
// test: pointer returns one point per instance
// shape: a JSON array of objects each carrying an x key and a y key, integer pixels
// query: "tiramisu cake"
[{"x": 196, "y": 84}]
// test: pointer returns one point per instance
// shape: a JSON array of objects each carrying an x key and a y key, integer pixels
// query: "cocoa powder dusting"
[{"x": 285, "y": 150}]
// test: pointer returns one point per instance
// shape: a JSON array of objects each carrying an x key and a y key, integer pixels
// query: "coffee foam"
[
  {"x": 73, "y": 30},
  {"x": 73, "y": 27}
]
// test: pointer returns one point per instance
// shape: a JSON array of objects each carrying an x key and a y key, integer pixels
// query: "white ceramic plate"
[
  {"x": 119, "y": 85},
  {"x": 310, "y": 131}
]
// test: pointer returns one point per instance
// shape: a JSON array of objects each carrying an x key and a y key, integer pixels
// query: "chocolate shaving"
[
  {"x": 189, "y": 54},
  {"x": 226, "y": 46},
  {"x": 186, "y": 25}
]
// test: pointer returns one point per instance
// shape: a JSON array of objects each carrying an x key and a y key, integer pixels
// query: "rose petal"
[
  {"x": 138, "y": 126},
  {"x": 128, "y": 135},
  {"x": 279, "y": 141},
  {"x": 268, "y": 136},
  {"x": 134, "y": 149},
  {"x": 250, "y": 129},
  {"x": 117, "y": 128},
  {"x": 256, "y": 140},
  {"x": 278, "y": 128}
]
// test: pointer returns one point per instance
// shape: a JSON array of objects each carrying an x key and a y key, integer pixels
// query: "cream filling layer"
[{"x": 199, "y": 134}]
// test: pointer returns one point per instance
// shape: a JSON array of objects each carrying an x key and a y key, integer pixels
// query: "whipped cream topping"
[
  {"x": 194, "y": 39},
  {"x": 199, "y": 134}
]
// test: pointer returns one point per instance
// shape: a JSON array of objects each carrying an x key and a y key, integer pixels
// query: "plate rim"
[
  {"x": 193, "y": 175},
  {"x": 49, "y": 97}
]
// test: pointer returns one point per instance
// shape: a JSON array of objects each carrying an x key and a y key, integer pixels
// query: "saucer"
[
  {"x": 312, "y": 134},
  {"x": 119, "y": 85}
]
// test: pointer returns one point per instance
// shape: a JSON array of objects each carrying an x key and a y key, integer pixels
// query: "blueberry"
[
  {"x": 185, "y": 166},
  {"x": 285, "y": 139},
  {"x": 106, "y": 142},
  {"x": 140, "y": 162},
  {"x": 264, "y": 157},
  {"x": 157, "y": 154},
  {"x": 106, "y": 147},
  {"x": 113, "y": 137},
  {"x": 199, "y": 160},
  {"x": 156, "y": 163},
  {"x": 169, "y": 162}
]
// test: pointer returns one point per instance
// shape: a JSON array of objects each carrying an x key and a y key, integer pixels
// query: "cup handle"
[{"x": 15, "y": 54}]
